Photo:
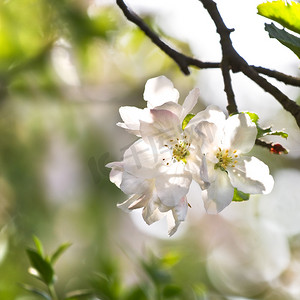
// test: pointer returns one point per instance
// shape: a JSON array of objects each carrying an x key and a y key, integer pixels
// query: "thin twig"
[
  {"x": 287, "y": 79},
  {"x": 238, "y": 64},
  {"x": 231, "y": 107},
  {"x": 182, "y": 60}
]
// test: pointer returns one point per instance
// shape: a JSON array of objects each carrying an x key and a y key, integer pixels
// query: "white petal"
[
  {"x": 189, "y": 102},
  {"x": 160, "y": 90},
  {"x": 133, "y": 200},
  {"x": 219, "y": 194},
  {"x": 197, "y": 166},
  {"x": 210, "y": 135},
  {"x": 173, "y": 107},
  {"x": 173, "y": 184},
  {"x": 134, "y": 185},
  {"x": 251, "y": 176},
  {"x": 141, "y": 159},
  {"x": 239, "y": 133},
  {"x": 164, "y": 126},
  {"x": 116, "y": 173},
  {"x": 212, "y": 114},
  {"x": 151, "y": 212},
  {"x": 131, "y": 117},
  {"x": 176, "y": 216}
]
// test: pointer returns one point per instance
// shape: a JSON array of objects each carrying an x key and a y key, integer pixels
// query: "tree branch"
[
  {"x": 287, "y": 79},
  {"x": 238, "y": 64},
  {"x": 182, "y": 60}
]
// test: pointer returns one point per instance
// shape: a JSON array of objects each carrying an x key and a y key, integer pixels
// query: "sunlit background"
[{"x": 65, "y": 69}]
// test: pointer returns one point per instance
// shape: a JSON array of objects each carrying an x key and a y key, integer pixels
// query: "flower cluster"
[{"x": 175, "y": 147}]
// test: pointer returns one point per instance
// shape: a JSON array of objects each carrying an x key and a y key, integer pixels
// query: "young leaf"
[
  {"x": 38, "y": 245},
  {"x": 43, "y": 267},
  {"x": 239, "y": 196},
  {"x": 186, "y": 120},
  {"x": 253, "y": 116},
  {"x": 60, "y": 250},
  {"x": 285, "y": 14},
  {"x": 78, "y": 294},
  {"x": 268, "y": 131},
  {"x": 285, "y": 38}
]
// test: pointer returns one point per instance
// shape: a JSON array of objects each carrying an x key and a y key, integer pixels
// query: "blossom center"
[
  {"x": 179, "y": 149},
  {"x": 226, "y": 159}
]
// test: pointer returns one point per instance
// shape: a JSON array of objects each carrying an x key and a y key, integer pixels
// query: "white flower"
[
  {"x": 159, "y": 94},
  {"x": 157, "y": 169},
  {"x": 225, "y": 142},
  {"x": 143, "y": 194}
]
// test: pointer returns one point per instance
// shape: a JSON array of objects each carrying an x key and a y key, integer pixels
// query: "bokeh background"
[{"x": 66, "y": 66}]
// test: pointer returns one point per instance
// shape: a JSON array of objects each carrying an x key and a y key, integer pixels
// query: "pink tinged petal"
[
  {"x": 134, "y": 185},
  {"x": 219, "y": 194},
  {"x": 251, "y": 176},
  {"x": 173, "y": 184},
  {"x": 164, "y": 126},
  {"x": 173, "y": 107},
  {"x": 189, "y": 102},
  {"x": 116, "y": 173},
  {"x": 212, "y": 114},
  {"x": 141, "y": 159},
  {"x": 160, "y": 90},
  {"x": 239, "y": 133}
]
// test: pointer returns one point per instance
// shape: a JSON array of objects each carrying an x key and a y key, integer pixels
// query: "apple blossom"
[
  {"x": 224, "y": 143},
  {"x": 142, "y": 194}
]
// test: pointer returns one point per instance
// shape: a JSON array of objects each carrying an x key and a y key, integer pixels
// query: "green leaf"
[
  {"x": 38, "y": 245},
  {"x": 43, "y": 267},
  {"x": 60, "y": 250},
  {"x": 253, "y": 116},
  {"x": 170, "y": 259},
  {"x": 285, "y": 38},
  {"x": 285, "y": 14},
  {"x": 186, "y": 120},
  {"x": 239, "y": 196},
  {"x": 36, "y": 291},
  {"x": 268, "y": 131}
]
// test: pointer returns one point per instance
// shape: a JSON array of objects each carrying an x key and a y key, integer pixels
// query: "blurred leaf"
[
  {"x": 60, "y": 250},
  {"x": 285, "y": 38},
  {"x": 43, "y": 267},
  {"x": 136, "y": 293},
  {"x": 285, "y": 14},
  {"x": 39, "y": 246},
  {"x": 170, "y": 259},
  {"x": 240, "y": 196},
  {"x": 171, "y": 291},
  {"x": 186, "y": 120},
  {"x": 36, "y": 291},
  {"x": 78, "y": 294}
]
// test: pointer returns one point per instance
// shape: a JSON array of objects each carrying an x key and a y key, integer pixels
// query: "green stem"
[{"x": 52, "y": 292}]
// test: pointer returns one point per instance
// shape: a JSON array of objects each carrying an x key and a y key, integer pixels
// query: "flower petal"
[
  {"x": 239, "y": 133},
  {"x": 131, "y": 117},
  {"x": 251, "y": 176},
  {"x": 134, "y": 185},
  {"x": 116, "y": 173},
  {"x": 212, "y": 114},
  {"x": 219, "y": 194},
  {"x": 160, "y": 90},
  {"x": 173, "y": 184},
  {"x": 164, "y": 126},
  {"x": 141, "y": 159},
  {"x": 189, "y": 102},
  {"x": 126, "y": 205},
  {"x": 151, "y": 212}
]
